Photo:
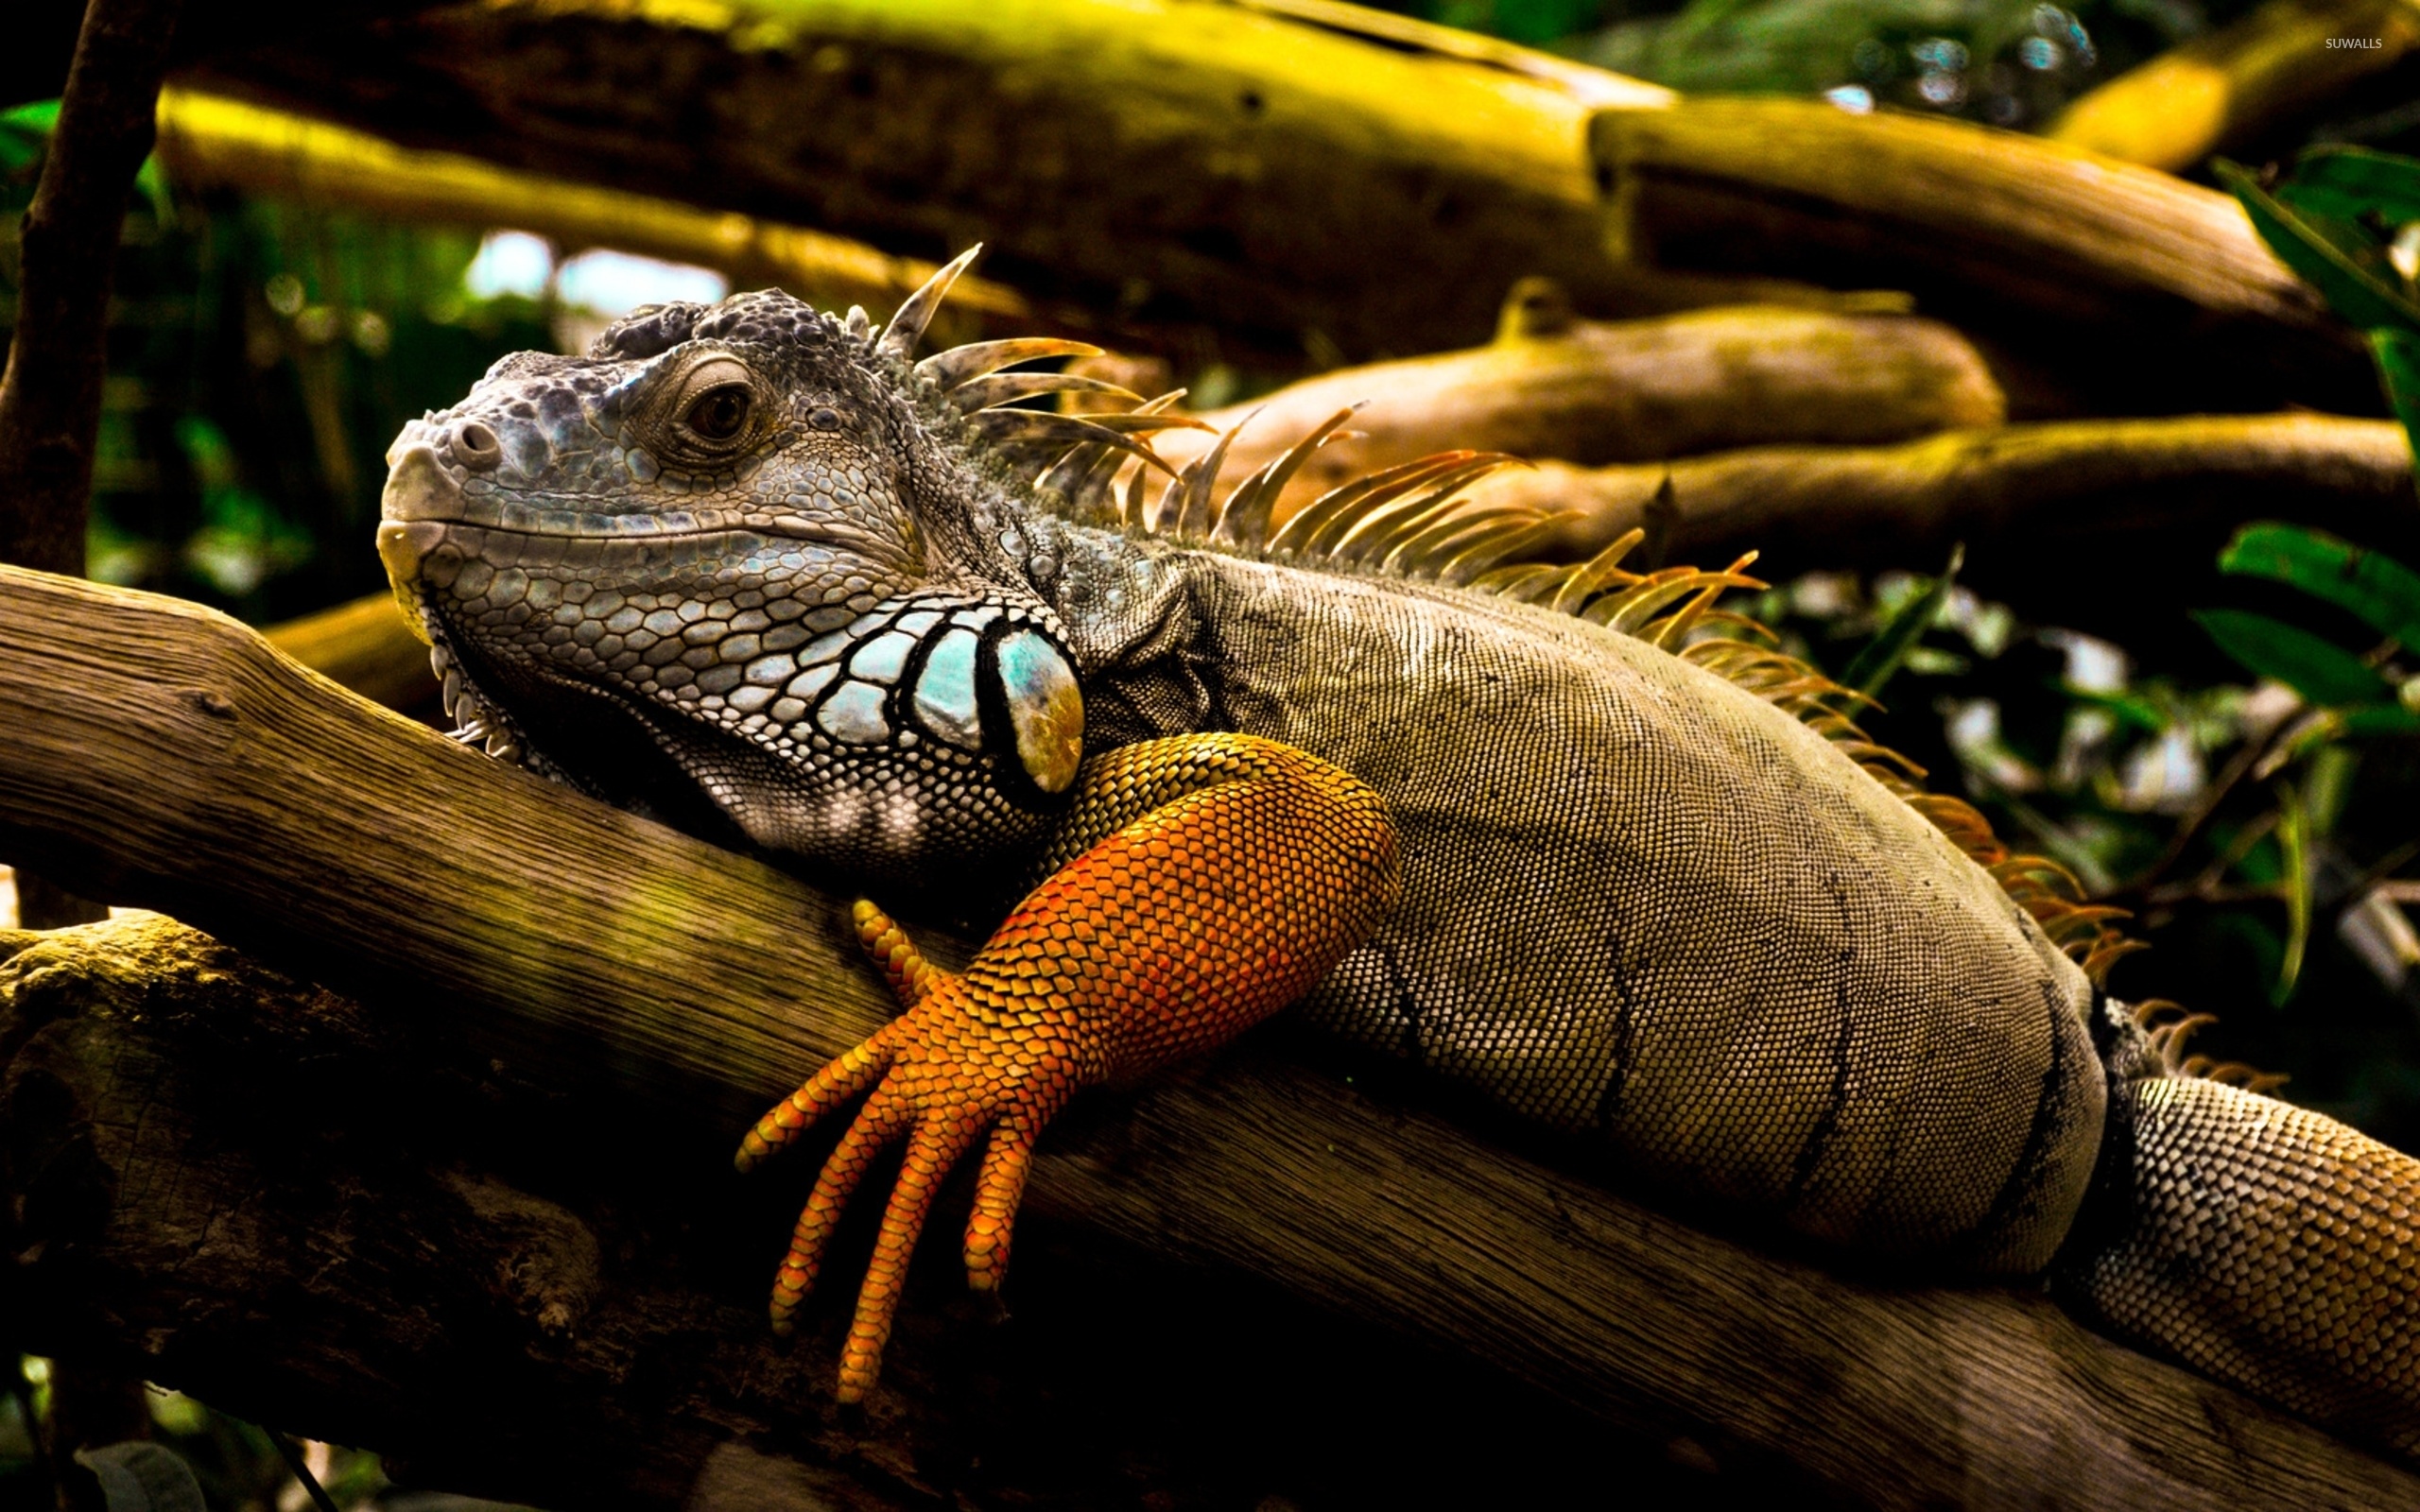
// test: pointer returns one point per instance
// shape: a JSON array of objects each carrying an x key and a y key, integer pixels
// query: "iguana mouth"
[{"x": 419, "y": 492}]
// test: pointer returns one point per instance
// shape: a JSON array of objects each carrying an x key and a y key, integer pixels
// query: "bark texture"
[
  {"x": 210, "y": 142},
  {"x": 2067, "y": 521},
  {"x": 587, "y": 949},
  {"x": 1585, "y": 392},
  {"x": 1290, "y": 176},
  {"x": 2138, "y": 293},
  {"x": 344, "y": 1225},
  {"x": 363, "y": 645}
]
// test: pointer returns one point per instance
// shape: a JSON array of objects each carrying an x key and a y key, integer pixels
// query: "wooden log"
[
  {"x": 2143, "y": 294},
  {"x": 2258, "y": 71},
  {"x": 210, "y": 142},
  {"x": 1265, "y": 179},
  {"x": 1584, "y": 392},
  {"x": 2061, "y": 520},
  {"x": 166, "y": 750}
]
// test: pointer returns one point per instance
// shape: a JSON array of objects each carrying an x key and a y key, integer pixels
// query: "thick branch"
[
  {"x": 208, "y": 141},
  {"x": 511, "y": 1290},
  {"x": 50, "y": 392},
  {"x": 165, "y": 747},
  {"x": 1618, "y": 392},
  {"x": 2047, "y": 489},
  {"x": 363, "y": 645},
  {"x": 2140, "y": 291},
  {"x": 1280, "y": 174},
  {"x": 2065, "y": 521}
]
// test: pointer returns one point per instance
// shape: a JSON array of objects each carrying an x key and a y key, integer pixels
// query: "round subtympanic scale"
[{"x": 1045, "y": 709}]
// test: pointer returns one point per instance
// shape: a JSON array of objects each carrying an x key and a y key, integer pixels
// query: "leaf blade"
[
  {"x": 2345, "y": 180},
  {"x": 2324, "y": 673},
  {"x": 2300, "y": 241},
  {"x": 2375, "y": 588},
  {"x": 1881, "y": 658}
]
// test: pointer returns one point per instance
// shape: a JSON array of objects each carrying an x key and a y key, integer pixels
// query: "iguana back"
[{"x": 1645, "y": 906}]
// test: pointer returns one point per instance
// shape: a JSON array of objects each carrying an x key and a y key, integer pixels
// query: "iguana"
[{"x": 1570, "y": 836}]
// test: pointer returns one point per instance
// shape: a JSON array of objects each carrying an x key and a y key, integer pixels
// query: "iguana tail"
[{"x": 2264, "y": 1244}]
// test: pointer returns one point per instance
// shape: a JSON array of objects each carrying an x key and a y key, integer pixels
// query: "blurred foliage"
[
  {"x": 2012, "y": 62},
  {"x": 261, "y": 357},
  {"x": 2348, "y": 219},
  {"x": 238, "y": 1466},
  {"x": 2255, "y": 827}
]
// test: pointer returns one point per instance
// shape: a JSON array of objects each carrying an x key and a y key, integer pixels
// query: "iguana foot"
[{"x": 1232, "y": 873}]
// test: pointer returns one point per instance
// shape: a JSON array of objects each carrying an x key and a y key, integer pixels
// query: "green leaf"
[
  {"x": 2377, "y": 719},
  {"x": 2398, "y": 351},
  {"x": 2375, "y": 588},
  {"x": 35, "y": 115},
  {"x": 2293, "y": 839},
  {"x": 2352, "y": 181},
  {"x": 2140, "y": 713},
  {"x": 2321, "y": 254},
  {"x": 1881, "y": 657},
  {"x": 2322, "y": 672},
  {"x": 25, "y": 136}
]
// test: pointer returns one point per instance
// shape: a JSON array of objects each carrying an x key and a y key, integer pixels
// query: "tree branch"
[
  {"x": 1586, "y": 391},
  {"x": 2138, "y": 292},
  {"x": 2066, "y": 521},
  {"x": 50, "y": 392},
  {"x": 163, "y": 748},
  {"x": 520, "y": 1290},
  {"x": 208, "y": 141},
  {"x": 1265, "y": 176}
]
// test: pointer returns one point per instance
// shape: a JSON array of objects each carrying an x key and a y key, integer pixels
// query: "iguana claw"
[{"x": 1233, "y": 874}]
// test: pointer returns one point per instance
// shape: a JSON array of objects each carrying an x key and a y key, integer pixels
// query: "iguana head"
[{"x": 736, "y": 550}]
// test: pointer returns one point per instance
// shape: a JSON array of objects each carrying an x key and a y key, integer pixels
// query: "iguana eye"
[
  {"x": 720, "y": 414},
  {"x": 706, "y": 414}
]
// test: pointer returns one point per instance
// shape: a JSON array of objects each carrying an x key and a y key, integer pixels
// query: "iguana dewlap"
[{"x": 741, "y": 562}]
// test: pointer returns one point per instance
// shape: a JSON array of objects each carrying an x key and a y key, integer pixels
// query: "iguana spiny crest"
[{"x": 881, "y": 680}]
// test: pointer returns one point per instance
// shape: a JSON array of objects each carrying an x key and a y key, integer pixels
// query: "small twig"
[
  {"x": 2376, "y": 874},
  {"x": 2204, "y": 885},
  {"x": 2253, "y": 753},
  {"x": 292, "y": 1454}
]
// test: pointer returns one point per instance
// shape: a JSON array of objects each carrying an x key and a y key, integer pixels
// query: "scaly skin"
[
  {"x": 1238, "y": 874},
  {"x": 740, "y": 566}
]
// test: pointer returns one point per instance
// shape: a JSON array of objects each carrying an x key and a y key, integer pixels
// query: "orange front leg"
[{"x": 1228, "y": 876}]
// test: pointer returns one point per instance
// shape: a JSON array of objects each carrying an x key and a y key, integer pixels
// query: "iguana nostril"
[{"x": 476, "y": 446}]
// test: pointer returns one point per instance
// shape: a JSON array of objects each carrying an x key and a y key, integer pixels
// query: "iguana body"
[{"x": 741, "y": 551}]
